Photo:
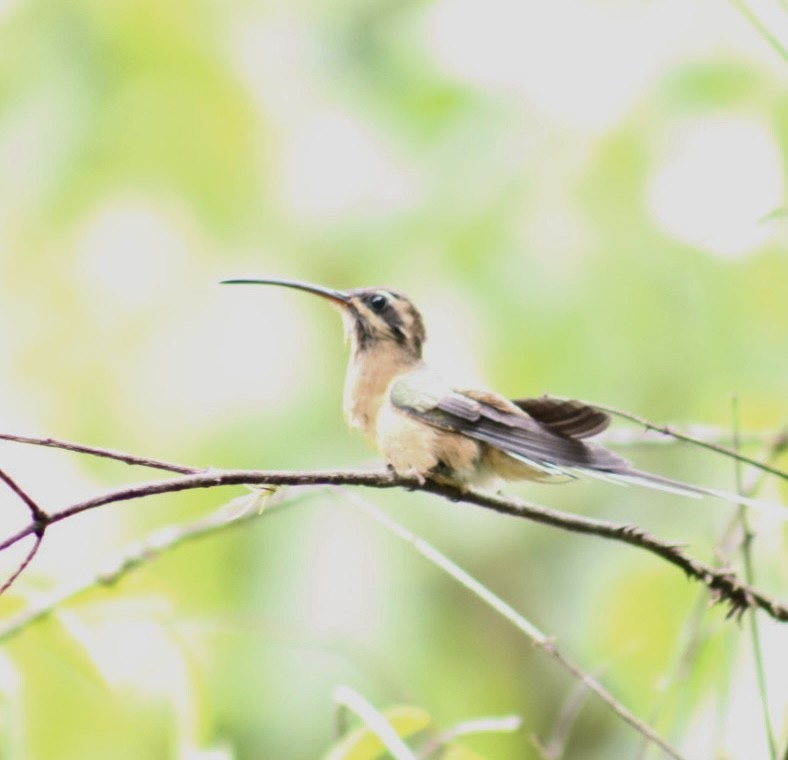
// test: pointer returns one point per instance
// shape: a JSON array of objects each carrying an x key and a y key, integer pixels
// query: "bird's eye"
[{"x": 377, "y": 302}]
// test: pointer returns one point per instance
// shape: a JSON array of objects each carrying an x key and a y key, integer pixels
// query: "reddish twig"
[
  {"x": 95, "y": 451},
  {"x": 25, "y": 562},
  {"x": 38, "y": 525},
  {"x": 724, "y": 586}
]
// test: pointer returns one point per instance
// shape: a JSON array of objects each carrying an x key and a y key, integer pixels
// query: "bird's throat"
[{"x": 370, "y": 373}]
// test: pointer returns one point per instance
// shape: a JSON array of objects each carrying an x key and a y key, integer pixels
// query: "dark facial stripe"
[
  {"x": 399, "y": 335},
  {"x": 373, "y": 323},
  {"x": 364, "y": 336}
]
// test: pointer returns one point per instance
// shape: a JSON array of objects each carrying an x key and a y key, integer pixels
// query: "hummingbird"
[{"x": 427, "y": 428}]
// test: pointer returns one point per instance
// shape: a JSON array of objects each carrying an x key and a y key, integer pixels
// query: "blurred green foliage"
[{"x": 584, "y": 198}]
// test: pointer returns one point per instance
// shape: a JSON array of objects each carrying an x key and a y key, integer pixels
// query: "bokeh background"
[{"x": 585, "y": 198}]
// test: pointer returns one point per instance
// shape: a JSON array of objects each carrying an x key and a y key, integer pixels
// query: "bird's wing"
[
  {"x": 494, "y": 420},
  {"x": 566, "y": 416},
  {"x": 498, "y": 422}
]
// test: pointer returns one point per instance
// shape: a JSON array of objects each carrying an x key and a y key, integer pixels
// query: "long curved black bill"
[{"x": 337, "y": 296}]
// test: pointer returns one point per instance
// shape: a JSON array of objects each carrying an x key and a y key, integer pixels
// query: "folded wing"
[{"x": 495, "y": 421}]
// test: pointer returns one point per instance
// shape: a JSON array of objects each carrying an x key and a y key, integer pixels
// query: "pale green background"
[{"x": 585, "y": 198}]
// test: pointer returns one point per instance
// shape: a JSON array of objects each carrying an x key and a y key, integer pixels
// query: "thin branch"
[
  {"x": 724, "y": 586},
  {"x": 540, "y": 639},
  {"x": 38, "y": 514},
  {"x": 761, "y": 28},
  {"x": 215, "y": 478},
  {"x": 699, "y": 435},
  {"x": 119, "y": 456},
  {"x": 160, "y": 541},
  {"x": 25, "y": 562},
  {"x": 173, "y": 536},
  {"x": 706, "y": 433},
  {"x": 38, "y": 526},
  {"x": 780, "y": 443},
  {"x": 749, "y": 576},
  {"x": 29, "y": 530},
  {"x": 692, "y": 634}
]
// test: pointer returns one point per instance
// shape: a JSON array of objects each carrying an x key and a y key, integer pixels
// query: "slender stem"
[
  {"x": 160, "y": 541},
  {"x": 691, "y": 634},
  {"x": 95, "y": 451},
  {"x": 35, "y": 510},
  {"x": 749, "y": 576},
  {"x": 779, "y": 444},
  {"x": 25, "y": 562},
  {"x": 724, "y": 586},
  {"x": 28, "y": 530},
  {"x": 705, "y": 433},
  {"x": 761, "y": 28},
  {"x": 37, "y": 527},
  {"x": 504, "y": 609}
]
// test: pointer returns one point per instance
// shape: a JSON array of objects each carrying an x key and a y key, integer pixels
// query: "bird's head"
[{"x": 373, "y": 317}]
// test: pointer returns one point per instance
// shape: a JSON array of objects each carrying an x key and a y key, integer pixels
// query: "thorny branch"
[
  {"x": 258, "y": 506},
  {"x": 724, "y": 586}
]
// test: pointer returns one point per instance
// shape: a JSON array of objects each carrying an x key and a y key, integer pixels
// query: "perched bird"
[{"x": 427, "y": 428}]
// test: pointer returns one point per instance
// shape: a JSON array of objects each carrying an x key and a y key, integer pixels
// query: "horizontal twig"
[
  {"x": 102, "y": 453},
  {"x": 724, "y": 586},
  {"x": 172, "y": 536}
]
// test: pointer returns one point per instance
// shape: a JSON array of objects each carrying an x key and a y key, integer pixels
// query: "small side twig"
[
  {"x": 780, "y": 443},
  {"x": 537, "y": 637},
  {"x": 38, "y": 525},
  {"x": 160, "y": 541},
  {"x": 749, "y": 576},
  {"x": 693, "y": 630},
  {"x": 761, "y": 28},
  {"x": 25, "y": 562},
  {"x": 102, "y": 453},
  {"x": 706, "y": 433},
  {"x": 37, "y": 513}
]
